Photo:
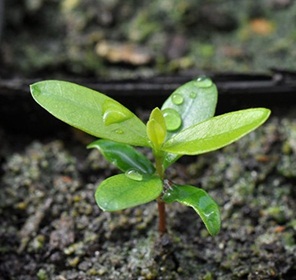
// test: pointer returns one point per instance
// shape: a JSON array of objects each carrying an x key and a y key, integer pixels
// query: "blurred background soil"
[{"x": 123, "y": 39}]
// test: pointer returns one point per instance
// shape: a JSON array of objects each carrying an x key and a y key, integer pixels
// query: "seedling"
[{"x": 185, "y": 125}]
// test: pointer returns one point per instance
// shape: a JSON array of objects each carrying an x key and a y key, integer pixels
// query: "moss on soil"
[{"x": 51, "y": 227}]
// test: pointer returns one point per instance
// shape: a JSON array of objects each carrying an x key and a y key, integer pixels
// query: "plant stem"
[
  {"x": 162, "y": 217},
  {"x": 161, "y": 205}
]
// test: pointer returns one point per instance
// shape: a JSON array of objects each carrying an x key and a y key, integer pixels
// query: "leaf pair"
[{"x": 138, "y": 185}]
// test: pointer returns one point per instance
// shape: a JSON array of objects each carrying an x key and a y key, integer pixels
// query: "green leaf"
[
  {"x": 193, "y": 102},
  {"x": 124, "y": 191},
  {"x": 156, "y": 129},
  {"x": 200, "y": 201},
  {"x": 90, "y": 111},
  {"x": 216, "y": 132},
  {"x": 123, "y": 156}
]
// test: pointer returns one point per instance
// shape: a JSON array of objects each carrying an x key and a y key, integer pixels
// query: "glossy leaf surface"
[
  {"x": 156, "y": 128},
  {"x": 194, "y": 102},
  {"x": 121, "y": 191},
  {"x": 200, "y": 201},
  {"x": 216, "y": 132},
  {"x": 123, "y": 156},
  {"x": 90, "y": 111}
]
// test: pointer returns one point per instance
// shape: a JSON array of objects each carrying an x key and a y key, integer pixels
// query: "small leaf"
[
  {"x": 120, "y": 191},
  {"x": 156, "y": 129},
  {"x": 90, "y": 111},
  {"x": 123, "y": 156},
  {"x": 200, "y": 201},
  {"x": 216, "y": 132}
]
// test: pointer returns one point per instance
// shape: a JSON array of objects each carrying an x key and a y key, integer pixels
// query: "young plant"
[{"x": 185, "y": 125}]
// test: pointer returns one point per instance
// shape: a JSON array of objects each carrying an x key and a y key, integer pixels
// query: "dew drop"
[
  {"x": 177, "y": 99},
  {"x": 134, "y": 175},
  {"x": 119, "y": 131},
  {"x": 114, "y": 113},
  {"x": 192, "y": 95},
  {"x": 172, "y": 119},
  {"x": 204, "y": 82}
]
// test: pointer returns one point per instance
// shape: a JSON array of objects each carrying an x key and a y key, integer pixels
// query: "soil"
[{"x": 51, "y": 227}]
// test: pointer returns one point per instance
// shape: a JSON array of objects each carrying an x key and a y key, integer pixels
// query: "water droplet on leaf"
[
  {"x": 204, "y": 82},
  {"x": 119, "y": 131},
  {"x": 172, "y": 119},
  {"x": 134, "y": 175},
  {"x": 177, "y": 99},
  {"x": 192, "y": 95},
  {"x": 114, "y": 113}
]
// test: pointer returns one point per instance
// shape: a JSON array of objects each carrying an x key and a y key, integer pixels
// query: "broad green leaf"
[
  {"x": 216, "y": 132},
  {"x": 90, "y": 111},
  {"x": 127, "y": 190},
  {"x": 123, "y": 156},
  {"x": 156, "y": 129},
  {"x": 193, "y": 102},
  {"x": 200, "y": 201}
]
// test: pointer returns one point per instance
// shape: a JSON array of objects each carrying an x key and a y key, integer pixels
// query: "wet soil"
[{"x": 51, "y": 227}]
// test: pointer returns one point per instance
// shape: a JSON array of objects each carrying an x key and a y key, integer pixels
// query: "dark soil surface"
[{"x": 51, "y": 227}]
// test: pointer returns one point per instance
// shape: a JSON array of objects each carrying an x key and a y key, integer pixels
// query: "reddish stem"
[{"x": 162, "y": 221}]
